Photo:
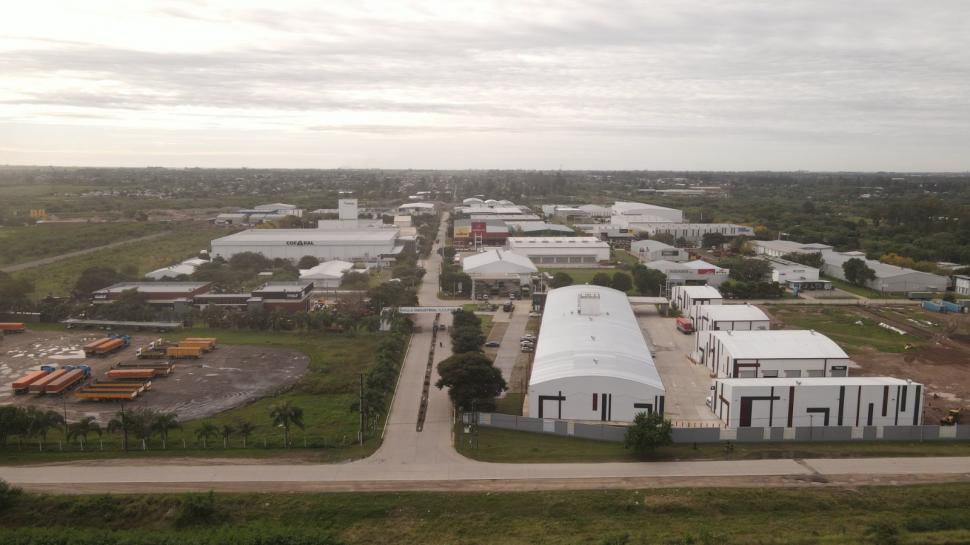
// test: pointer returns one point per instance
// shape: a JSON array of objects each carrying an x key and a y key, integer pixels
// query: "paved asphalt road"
[{"x": 412, "y": 460}]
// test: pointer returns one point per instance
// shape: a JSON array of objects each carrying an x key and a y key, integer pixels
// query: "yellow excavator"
[{"x": 952, "y": 418}]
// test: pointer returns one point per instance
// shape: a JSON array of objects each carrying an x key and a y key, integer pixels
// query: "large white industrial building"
[
  {"x": 686, "y": 298},
  {"x": 654, "y": 250},
  {"x": 560, "y": 251},
  {"x": 591, "y": 361},
  {"x": 710, "y": 318},
  {"x": 624, "y": 213},
  {"x": 889, "y": 278},
  {"x": 371, "y": 245},
  {"x": 692, "y": 232},
  {"x": 498, "y": 272},
  {"x": 845, "y": 401},
  {"x": 328, "y": 274},
  {"x": 774, "y": 354},
  {"x": 781, "y": 248},
  {"x": 695, "y": 273}
]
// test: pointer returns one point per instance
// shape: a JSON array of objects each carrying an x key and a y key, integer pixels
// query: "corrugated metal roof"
[
  {"x": 731, "y": 313},
  {"x": 779, "y": 345},
  {"x": 603, "y": 343}
]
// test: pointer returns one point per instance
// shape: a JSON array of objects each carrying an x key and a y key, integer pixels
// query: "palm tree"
[
  {"x": 82, "y": 428},
  {"x": 284, "y": 415},
  {"x": 40, "y": 422},
  {"x": 163, "y": 423},
  {"x": 205, "y": 431},
  {"x": 227, "y": 431},
  {"x": 245, "y": 428}
]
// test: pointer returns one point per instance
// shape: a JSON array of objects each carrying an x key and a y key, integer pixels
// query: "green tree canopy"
[
  {"x": 471, "y": 380},
  {"x": 307, "y": 262},
  {"x": 601, "y": 279},
  {"x": 857, "y": 272},
  {"x": 622, "y": 282},
  {"x": 648, "y": 432},
  {"x": 561, "y": 280}
]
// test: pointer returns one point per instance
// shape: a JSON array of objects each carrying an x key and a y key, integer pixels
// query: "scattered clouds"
[{"x": 879, "y": 77}]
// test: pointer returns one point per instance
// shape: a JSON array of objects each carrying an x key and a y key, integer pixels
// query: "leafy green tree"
[
  {"x": 206, "y": 431},
  {"x": 355, "y": 280},
  {"x": 622, "y": 282},
  {"x": 857, "y": 272},
  {"x": 471, "y": 379},
  {"x": 40, "y": 422},
  {"x": 13, "y": 421},
  {"x": 307, "y": 262},
  {"x": 711, "y": 240},
  {"x": 649, "y": 282},
  {"x": 284, "y": 414},
  {"x": 601, "y": 279},
  {"x": 227, "y": 431},
  {"x": 648, "y": 432},
  {"x": 163, "y": 424},
  {"x": 95, "y": 278},
  {"x": 245, "y": 428},
  {"x": 466, "y": 338},
  {"x": 14, "y": 292},
  {"x": 561, "y": 280},
  {"x": 82, "y": 428},
  {"x": 448, "y": 254},
  {"x": 750, "y": 270}
]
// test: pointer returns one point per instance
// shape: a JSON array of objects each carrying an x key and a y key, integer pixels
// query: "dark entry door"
[{"x": 745, "y": 412}]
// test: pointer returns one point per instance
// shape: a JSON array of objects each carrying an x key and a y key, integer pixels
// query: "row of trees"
[
  {"x": 381, "y": 378},
  {"x": 646, "y": 281},
  {"x": 472, "y": 380}
]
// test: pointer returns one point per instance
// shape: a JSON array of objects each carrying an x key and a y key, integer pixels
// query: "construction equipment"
[
  {"x": 952, "y": 418},
  {"x": 12, "y": 327},
  {"x": 21, "y": 385},
  {"x": 68, "y": 380}
]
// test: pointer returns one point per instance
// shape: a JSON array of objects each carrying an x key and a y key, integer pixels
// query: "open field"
[
  {"x": 936, "y": 356},
  {"x": 325, "y": 392},
  {"x": 222, "y": 379},
  {"x": 183, "y": 241},
  {"x": 22, "y": 244},
  {"x": 510, "y": 446},
  {"x": 725, "y": 516}
]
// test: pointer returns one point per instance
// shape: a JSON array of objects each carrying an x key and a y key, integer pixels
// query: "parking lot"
[{"x": 222, "y": 379}]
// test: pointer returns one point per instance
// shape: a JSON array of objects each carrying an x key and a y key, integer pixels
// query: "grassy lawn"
[
  {"x": 182, "y": 241},
  {"x": 843, "y": 326},
  {"x": 623, "y": 256},
  {"x": 861, "y": 290},
  {"x": 581, "y": 276},
  {"x": 508, "y": 446},
  {"x": 325, "y": 393},
  {"x": 22, "y": 244},
  {"x": 722, "y": 516}
]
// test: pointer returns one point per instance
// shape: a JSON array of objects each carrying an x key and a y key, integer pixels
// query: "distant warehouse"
[
  {"x": 789, "y": 402},
  {"x": 560, "y": 251},
  {"x": 591, "y": 361},
  {"x": 368, "y": 245}
]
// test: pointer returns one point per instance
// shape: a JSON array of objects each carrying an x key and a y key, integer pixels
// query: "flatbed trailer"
[
  {"x": 130, "y": 373},
  {"x": 179, "y": 352},
  {"x": 106, "y": 395},
  {"x": 162, "y": 369}
]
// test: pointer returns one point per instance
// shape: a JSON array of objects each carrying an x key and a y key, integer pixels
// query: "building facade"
[
  {"x": 561, "y": 252},
  {"x": 774, "y": 354}
]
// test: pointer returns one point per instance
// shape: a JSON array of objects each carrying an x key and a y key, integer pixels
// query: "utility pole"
[
  {"x": 360, "y": 434},
  {"x": 124, "y": 427}
]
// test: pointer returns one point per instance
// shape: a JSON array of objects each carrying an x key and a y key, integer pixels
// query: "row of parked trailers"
[
  {"x": 106, "y": 345},
  {"x": 192, "y": 347},
  {"x": 51, "y": 380}
]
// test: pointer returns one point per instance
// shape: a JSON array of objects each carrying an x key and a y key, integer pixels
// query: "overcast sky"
[{"x": 722, "y": 84}]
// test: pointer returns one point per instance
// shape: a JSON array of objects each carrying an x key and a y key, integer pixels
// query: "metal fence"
[{"x": 613, "y": 433}]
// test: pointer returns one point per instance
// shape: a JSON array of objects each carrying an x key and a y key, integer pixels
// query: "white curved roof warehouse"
[{"x": 591, "y": 361}]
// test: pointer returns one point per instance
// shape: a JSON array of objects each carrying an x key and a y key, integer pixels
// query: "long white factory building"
[
  {"x": 789, "y": 402},
  {"x": 771, "y": 354},
  {"x": 591, "y": 361},
  {"x": 369, "y": 245}
]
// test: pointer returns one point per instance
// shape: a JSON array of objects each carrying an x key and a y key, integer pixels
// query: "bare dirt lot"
[{"x": 222, "y": 379}]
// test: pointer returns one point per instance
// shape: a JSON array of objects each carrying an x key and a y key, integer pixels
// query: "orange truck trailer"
[
  {"x": 210, "y": 341},
  {"x": 12, "y": 327},
  {"x": 68, "y": 380},
  {"x": 184, "y": 351},
  {"x": 204, "y": 345},
  {"x": 38, "y": 386},
  {"x": 21, "y": 385}
]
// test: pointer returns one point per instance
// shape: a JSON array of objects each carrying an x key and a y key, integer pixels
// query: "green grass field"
[
  {"x": 325, "y": 393},
  {"x": 842, "y": 325},
  {"x": 665, "y": 516},
  {"x": 22, "y": 244},
  {"x": 860, "y": 290},
  {"x": 181, "y": 242},
  {"x": 508, "y": 446}
]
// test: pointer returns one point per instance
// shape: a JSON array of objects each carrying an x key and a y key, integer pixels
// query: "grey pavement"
[{"x": 509, "y": 350}]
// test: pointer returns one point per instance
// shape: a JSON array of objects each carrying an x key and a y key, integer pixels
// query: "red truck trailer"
[{"x": 12, "y": 327}]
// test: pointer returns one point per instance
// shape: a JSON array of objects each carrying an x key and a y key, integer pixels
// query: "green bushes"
[{"x": 238, "y": 535}]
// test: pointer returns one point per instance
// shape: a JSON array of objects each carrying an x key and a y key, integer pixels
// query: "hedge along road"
[
  {"x": 56, "y": 258},
  {"x": 426, "y": 460}
]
